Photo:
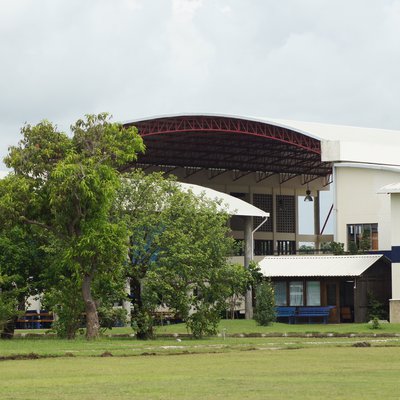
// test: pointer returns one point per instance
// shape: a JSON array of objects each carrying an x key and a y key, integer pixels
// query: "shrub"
[
  {"x": 204, "y": 322},
  {"x": 265, "y": 313},
  {"x": 375, "y": 308}
]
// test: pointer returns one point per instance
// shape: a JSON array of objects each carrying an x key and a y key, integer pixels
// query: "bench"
[
  {"x": 286, "y": 312},
  {"x": 313, "y": 312},
  {"x": 35, "y": 320}
]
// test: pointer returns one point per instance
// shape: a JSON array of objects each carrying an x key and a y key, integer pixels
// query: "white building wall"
[
  {"x": 357, "y": 200},
  {"x": 395, "y": 210}
]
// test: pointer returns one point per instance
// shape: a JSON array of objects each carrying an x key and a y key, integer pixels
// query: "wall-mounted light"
[{"x": 308, "y": 195}]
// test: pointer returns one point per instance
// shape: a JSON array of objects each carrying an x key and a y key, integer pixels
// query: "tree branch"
[{"x": 41, "y": 225}]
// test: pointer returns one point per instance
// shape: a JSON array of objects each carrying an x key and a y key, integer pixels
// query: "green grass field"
[
  {"x": 232, "y": 327},
  {"x": 329, "y": 373},
  {"x": 268, "y": 367}
]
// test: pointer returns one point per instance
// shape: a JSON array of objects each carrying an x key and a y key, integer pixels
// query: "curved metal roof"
[
  {"x": 270, "y": 146},
  {"x": 221, "y": 143}
]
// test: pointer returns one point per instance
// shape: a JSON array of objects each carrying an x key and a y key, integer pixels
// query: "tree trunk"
[
  {"x": 92, "y": 318},
  {"x": 9, "y": 327},
  {"x": 141, "y": 316},
  {"x": 8, "y": 330}
]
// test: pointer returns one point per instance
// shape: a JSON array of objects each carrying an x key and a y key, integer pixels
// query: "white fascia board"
[{"x": 380, "y": 167}]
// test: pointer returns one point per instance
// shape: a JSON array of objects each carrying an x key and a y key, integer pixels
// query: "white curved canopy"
[{"x": 230, "y": 204}]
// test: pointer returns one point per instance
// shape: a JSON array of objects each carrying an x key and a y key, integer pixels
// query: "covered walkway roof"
[{"x": 318, "y": 266}]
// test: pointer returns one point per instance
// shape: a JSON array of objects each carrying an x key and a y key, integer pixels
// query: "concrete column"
[
  {"x": 394, "y": 311},
  {"x": 248, "y": 256},
  {"x": 317, "y": 225}
]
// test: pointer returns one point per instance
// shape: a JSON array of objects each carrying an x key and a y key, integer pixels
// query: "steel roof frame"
[{"x": 229, "y": 143}]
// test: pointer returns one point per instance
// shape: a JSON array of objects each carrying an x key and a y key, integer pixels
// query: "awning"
[
  {"x": 230, "y": 204},
  {"x": 307, "y": 266}
]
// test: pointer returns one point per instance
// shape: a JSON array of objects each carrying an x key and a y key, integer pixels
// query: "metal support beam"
[
  {"x": 213, "y": 173},
  {"x": 240, "y": 174},
  {"x": 260, "y": 175},
  {"x": 189, "y": 171}
]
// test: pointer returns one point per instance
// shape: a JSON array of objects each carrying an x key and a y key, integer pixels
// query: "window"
[
  {"x": 263, "y": 247},
  {"x": 286, "y": 247},
  {"x": 313, "y": 293},
  {"x": 285, "y": 214},
  {"x": 362, "y": 237},
  {"x": 280, "y": 293},
  {"x": 264, "y": 202},
  {"x": 296, "y": 293}
]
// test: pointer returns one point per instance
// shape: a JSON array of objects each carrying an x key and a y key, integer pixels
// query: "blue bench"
[
  {"x": 313, "y": 312},
  {"x": 286, "y": 312}
]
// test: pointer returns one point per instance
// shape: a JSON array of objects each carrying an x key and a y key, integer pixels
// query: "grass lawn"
[
  {"x": 310, "y": 373},
  {"x": 250, "y": 326},
  {"x": 234, "y": 327},
  {"x": 269, "y": 367}
]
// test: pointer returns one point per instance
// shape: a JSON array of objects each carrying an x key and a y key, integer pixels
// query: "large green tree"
[
  {"x": 179, "y": 245},
  {"x": 22, "y": 260},
  {"x": 66, "y": 184}
]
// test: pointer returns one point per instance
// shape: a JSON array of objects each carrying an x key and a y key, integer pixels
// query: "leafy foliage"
[
  {"x": 336, "y": 248},
  {"x": 67, "y": 186},
  {"x": 8, "y": 304},
  {"x": 265, "y": 312},
  {"x": 22, "y": 261},
  {"x": 178, "y": 250},
  {"x": 239, "y": 281},
  {"x": 375, "y": 308}
]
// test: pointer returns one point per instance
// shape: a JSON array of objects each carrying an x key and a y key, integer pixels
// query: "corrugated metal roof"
[
  {"x": 302, "y": 266},
  {"x": 232, "y": 205}
]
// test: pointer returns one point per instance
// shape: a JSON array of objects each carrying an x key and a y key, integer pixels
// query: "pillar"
[
  {"x": 248, "y": 256},
  {"x": 317, "y": 225}
]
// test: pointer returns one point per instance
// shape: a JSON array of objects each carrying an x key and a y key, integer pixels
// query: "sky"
[{"x": 313, "y": 60}]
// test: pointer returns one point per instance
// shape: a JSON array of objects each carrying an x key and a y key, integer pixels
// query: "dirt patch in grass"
[{"x": 29, "y": 356}]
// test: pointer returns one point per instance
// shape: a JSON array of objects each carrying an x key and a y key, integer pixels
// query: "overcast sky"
[{"x": 315, "y": 60}]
